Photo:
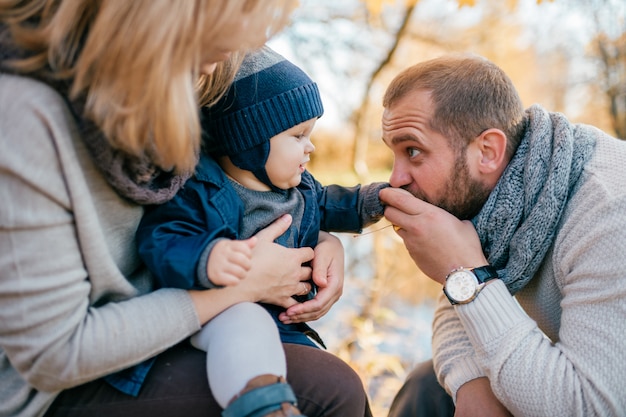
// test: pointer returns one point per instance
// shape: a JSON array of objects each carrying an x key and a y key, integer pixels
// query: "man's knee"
[{"x": 421, "y": 395}]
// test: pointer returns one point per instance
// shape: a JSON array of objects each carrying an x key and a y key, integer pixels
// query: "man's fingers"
[
  {"x": 400, "y": 198},
  {"x": 396, "y": 216},
  {"x": 274, "y": 230}
]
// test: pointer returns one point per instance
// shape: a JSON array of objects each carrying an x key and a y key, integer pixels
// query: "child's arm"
[
  {"x": 175, "y": 239},
  {"x": 349, "y": 209},
  {"x": 230, "y": 261}
]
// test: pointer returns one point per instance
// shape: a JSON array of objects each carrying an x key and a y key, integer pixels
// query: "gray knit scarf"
[
  {"x": 519, "y": 221},
  {"x": 134, "y": 178}
]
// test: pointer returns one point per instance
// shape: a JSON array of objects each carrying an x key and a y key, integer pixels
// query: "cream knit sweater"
[
  {"x": 70, "y": 276},
  {"x": 559, "y": 347}
]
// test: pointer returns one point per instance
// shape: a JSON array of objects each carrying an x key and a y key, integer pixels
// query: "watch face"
[{"x": 461, "y": 286}]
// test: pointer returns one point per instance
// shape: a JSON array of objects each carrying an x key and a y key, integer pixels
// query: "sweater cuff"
[
  {"x": 463, "y": 371},
  {"x": 202, "y": 276},
  {"x": 492, "y": 314},
  {"x": 372, "y": 209}
]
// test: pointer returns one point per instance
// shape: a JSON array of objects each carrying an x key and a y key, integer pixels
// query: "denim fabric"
[
  {"x": 208, "y": 208},
  {"x": 129, "y": 381}
]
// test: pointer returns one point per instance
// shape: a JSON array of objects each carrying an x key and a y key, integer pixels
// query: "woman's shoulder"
[
  {"x": 32, "y": 110},
  {"x": 36, "y": 132},
  {"x": 17, "y": 92}
]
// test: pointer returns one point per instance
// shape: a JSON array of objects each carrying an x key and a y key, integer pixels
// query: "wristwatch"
[{"x": 463, "y": 284}]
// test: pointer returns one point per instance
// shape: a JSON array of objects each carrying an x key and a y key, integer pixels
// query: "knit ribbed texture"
[
  {"x": 562, "y": 353},
  {"x": 518, "y": 222},
  {"x": 238, "y": 131},
  {"x": 269, "y": 95}
]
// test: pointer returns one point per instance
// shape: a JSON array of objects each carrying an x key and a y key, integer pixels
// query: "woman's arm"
[
  {"x": 74, "y": 306},
  {"x": 70, "y": 311}
]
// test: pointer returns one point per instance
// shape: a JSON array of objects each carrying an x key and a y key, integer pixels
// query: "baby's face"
[{"x": 289, "y": 154}]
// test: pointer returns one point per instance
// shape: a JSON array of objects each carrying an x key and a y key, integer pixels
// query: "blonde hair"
[{"x": 137, "y": 62}]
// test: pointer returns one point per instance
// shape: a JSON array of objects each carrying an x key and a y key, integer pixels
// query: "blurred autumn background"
[{"x": 568, "y": 55}]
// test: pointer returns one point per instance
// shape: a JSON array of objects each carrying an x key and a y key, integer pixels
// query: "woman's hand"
[
  {"x": 328, "y": 269},
  {"x": 277, "y": 270},
  {"x": 276, "y": 273},
  {"x": 437, "y": 241}
]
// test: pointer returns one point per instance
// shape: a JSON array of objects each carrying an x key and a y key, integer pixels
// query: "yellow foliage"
[
  {"x": 469, "y": 3},
  {"x": 375, "y": 7}
]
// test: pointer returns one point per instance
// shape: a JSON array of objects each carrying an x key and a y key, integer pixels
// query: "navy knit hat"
[{"x": 268, "y": 96}]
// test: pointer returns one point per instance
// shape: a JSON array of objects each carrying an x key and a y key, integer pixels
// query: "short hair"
[{"x": 470, "y": 95}]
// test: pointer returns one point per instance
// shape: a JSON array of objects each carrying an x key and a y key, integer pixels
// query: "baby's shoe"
[{"x": 264, "y": 396}]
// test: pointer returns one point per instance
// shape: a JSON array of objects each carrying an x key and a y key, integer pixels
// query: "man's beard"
[{"x": 463, "y": 196}]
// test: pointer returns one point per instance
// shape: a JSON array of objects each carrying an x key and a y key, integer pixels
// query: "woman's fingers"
[{"x": 276, "y": 229}]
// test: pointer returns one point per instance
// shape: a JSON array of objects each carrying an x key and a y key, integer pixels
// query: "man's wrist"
[{"x": 463, "y": 284}]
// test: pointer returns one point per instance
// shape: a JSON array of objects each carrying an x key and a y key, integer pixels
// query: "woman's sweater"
[{"x": 70, "y": 274}]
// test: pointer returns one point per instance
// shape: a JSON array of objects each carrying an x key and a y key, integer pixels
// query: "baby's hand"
[{"x": 230, "y": 261}]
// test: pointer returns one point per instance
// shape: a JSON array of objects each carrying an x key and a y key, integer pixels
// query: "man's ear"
[{"x": 492, "y": 145}]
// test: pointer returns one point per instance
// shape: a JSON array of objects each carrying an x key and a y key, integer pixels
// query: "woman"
[{"x": 98, "y": 117}]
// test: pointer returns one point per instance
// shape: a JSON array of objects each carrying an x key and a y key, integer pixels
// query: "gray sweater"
[
  {"x": 71, "y": 280},
  {"x": 559, "y": 347}
]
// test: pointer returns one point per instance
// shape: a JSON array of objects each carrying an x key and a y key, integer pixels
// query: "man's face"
[{"x": 425, "y": 164}]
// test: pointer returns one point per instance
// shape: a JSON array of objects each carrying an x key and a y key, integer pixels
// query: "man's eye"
[{"x": 413, "y": 152}]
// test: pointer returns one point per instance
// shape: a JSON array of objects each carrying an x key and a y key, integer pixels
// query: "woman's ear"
[{"x": 492, "y": 145}]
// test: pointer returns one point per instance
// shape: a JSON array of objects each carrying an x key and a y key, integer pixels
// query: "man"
[{"x": 538, "y": 206}]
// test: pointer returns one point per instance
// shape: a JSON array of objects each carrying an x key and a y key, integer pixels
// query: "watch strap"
[{"x": 485, "y": 273}]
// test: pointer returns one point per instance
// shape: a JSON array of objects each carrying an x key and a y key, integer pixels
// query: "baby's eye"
[{"x": 413, "y": 152}]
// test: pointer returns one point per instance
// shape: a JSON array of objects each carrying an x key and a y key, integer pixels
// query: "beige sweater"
[
  {"x": 562, "y": 350},
  {"x": 70, "y": 284}
]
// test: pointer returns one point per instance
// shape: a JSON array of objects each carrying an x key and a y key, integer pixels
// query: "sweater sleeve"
[
  {"x": 68, "y": 313},
  {"x": 371, "y": 209},
  {"x": 174, "y": 239},
  {"x": 453, "y": 356},
  {"x": 582, "y": 371},
  {"x": 349, "y": 209}
]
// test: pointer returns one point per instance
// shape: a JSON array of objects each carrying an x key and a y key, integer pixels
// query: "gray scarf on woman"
[
  {"x": 134, "y": 178},
  {"x": 519, "y": 221}
]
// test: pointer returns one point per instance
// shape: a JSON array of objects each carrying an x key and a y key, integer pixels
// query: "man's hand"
[
  {"x": 476, "y": 399},
  {"x": 437, "y": 241}
]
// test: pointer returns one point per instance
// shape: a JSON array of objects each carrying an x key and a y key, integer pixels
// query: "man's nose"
[{"x": 400, "y": 175}]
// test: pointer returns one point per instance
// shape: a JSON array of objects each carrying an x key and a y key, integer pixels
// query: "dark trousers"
[
  {"x": 422, "y": 396},
  {"x": 177, "y": 386}
]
